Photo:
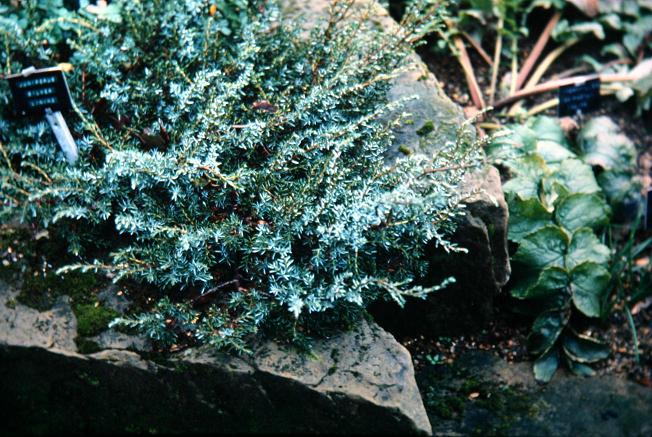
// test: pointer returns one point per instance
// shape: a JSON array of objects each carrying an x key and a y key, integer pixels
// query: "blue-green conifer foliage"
[{"x": 228, "y": 153}]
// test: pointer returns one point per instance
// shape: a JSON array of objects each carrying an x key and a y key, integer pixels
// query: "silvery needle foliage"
[{"x": 230, "y": 160}]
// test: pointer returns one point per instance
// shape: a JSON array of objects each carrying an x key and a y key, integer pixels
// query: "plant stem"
[
  {"x": 555, "y": 84},
  {"x": 542, "y": 68},
  {"x": 478, "y": 48},
  {"x": 554, "y": 102},
  {"x": 465, "y": 62},
  {"x": 632, "y": 327},
  {"x": 537, "y": 50},
  {"x": 548, "y": 61},
  {"x": 512, "y": 88},
  {"x": 542, "y": 107},
  {"x": 496, "y": 65}
]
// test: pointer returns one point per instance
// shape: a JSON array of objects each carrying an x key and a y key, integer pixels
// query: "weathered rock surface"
[
  {"x": 25, "y": 326},
  {"x": 480, "y": 273},
  {"x": 357, "y": 382},
  {"x": 481, "y": 394}
]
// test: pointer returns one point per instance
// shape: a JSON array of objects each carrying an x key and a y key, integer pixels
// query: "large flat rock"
[{"x": 361, "y": 381}]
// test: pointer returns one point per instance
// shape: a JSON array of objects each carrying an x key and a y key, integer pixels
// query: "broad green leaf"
[
  {"x": 592, "y": 27},
  {"x": 605, "y": 146},
  {"x": 526, "y": 216},
  {"x": 612, "y": 20},
  {"x": 579, "y": 369},
  {"x": 580, "y": 210},
  {"x": 618, "y": 187},
  {"x": 588, "y": 283},
  {"x": 551, "y": 190},
  {"x": 531, "y": 165},
  {"x": 549, "y": 282},
  {"x": 546, "y": 366},
  {"x": 585, "y": 247},
  {"x": 584, "y": 349},
  {"x": 553, "y": 152},
  {"x": 523, "y": 187},
  {"x": 548, "y": 128},
  {"x": 483, "y": 5},
  {"x": 546, "y": 330},
  {"x": 576, "y": 176},
  {"x": 543, "y": 248},
  {"x": 519, "y": 142}
]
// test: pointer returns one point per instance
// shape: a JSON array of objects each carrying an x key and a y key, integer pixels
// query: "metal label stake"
[{"x": 64, "y": 137}]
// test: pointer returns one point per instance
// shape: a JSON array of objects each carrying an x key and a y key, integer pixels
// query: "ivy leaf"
[
  {"x": 546, "y": 366},
  {"x": 579, "y": 210},
  {"x": 585, "y": 247},
  {"x": 588, "y": 282},
  {"x": 543, "y": 248},
  {"x": 546, "y": 330},
  {"x": 549, "y": 281},
  {"x": 526, "y": 216},
  {"x": 583, "y": 349}
]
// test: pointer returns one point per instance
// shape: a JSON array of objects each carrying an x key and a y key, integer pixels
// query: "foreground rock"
[
  {"x": 481, "y": 394},
  {"x": 357, "y": 382}
]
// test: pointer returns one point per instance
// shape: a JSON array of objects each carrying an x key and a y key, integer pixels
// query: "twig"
[
  {"x": 478, "y": 48},
  {"x": 542, "y": 107},
  {"x": 496, "y": 64},
  {"x": 604, "y": 91},
  {"x": 465, "y": 62},
  {"x": 536, "y": 51},
  {"x": 215, "y": 290},
  {"x": 548, "y": 61},
  {"x": 512, "y": 88},
  {"x": 542, "y": 68},
  {"x": 447, "y": 168},
  {"x": 554, "y": 84}
]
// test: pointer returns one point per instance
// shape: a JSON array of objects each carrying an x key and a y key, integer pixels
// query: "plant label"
[
  {"x": 34, "y": 91},
  {"x": 45, "y": 92},
  {"x": 579, "y": 98}
]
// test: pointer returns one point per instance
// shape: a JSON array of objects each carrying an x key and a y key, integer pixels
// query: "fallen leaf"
[{"x": 641, "y": 305}]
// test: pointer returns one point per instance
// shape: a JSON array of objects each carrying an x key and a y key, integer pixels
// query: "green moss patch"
[
  {"x": 40, "y": 290},
  {"x": 92, "y": 319},
  {"x": 427, "y": 127}
]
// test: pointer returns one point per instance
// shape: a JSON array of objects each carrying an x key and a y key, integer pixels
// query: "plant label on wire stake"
[
  {"x": 579, "y": 98},
  {"x": 45, "y": 92}
]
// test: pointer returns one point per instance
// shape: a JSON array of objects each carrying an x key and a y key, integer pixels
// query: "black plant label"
[
  {"x": 579, "y": 98},
  {"x": 38, "y": 90}
]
